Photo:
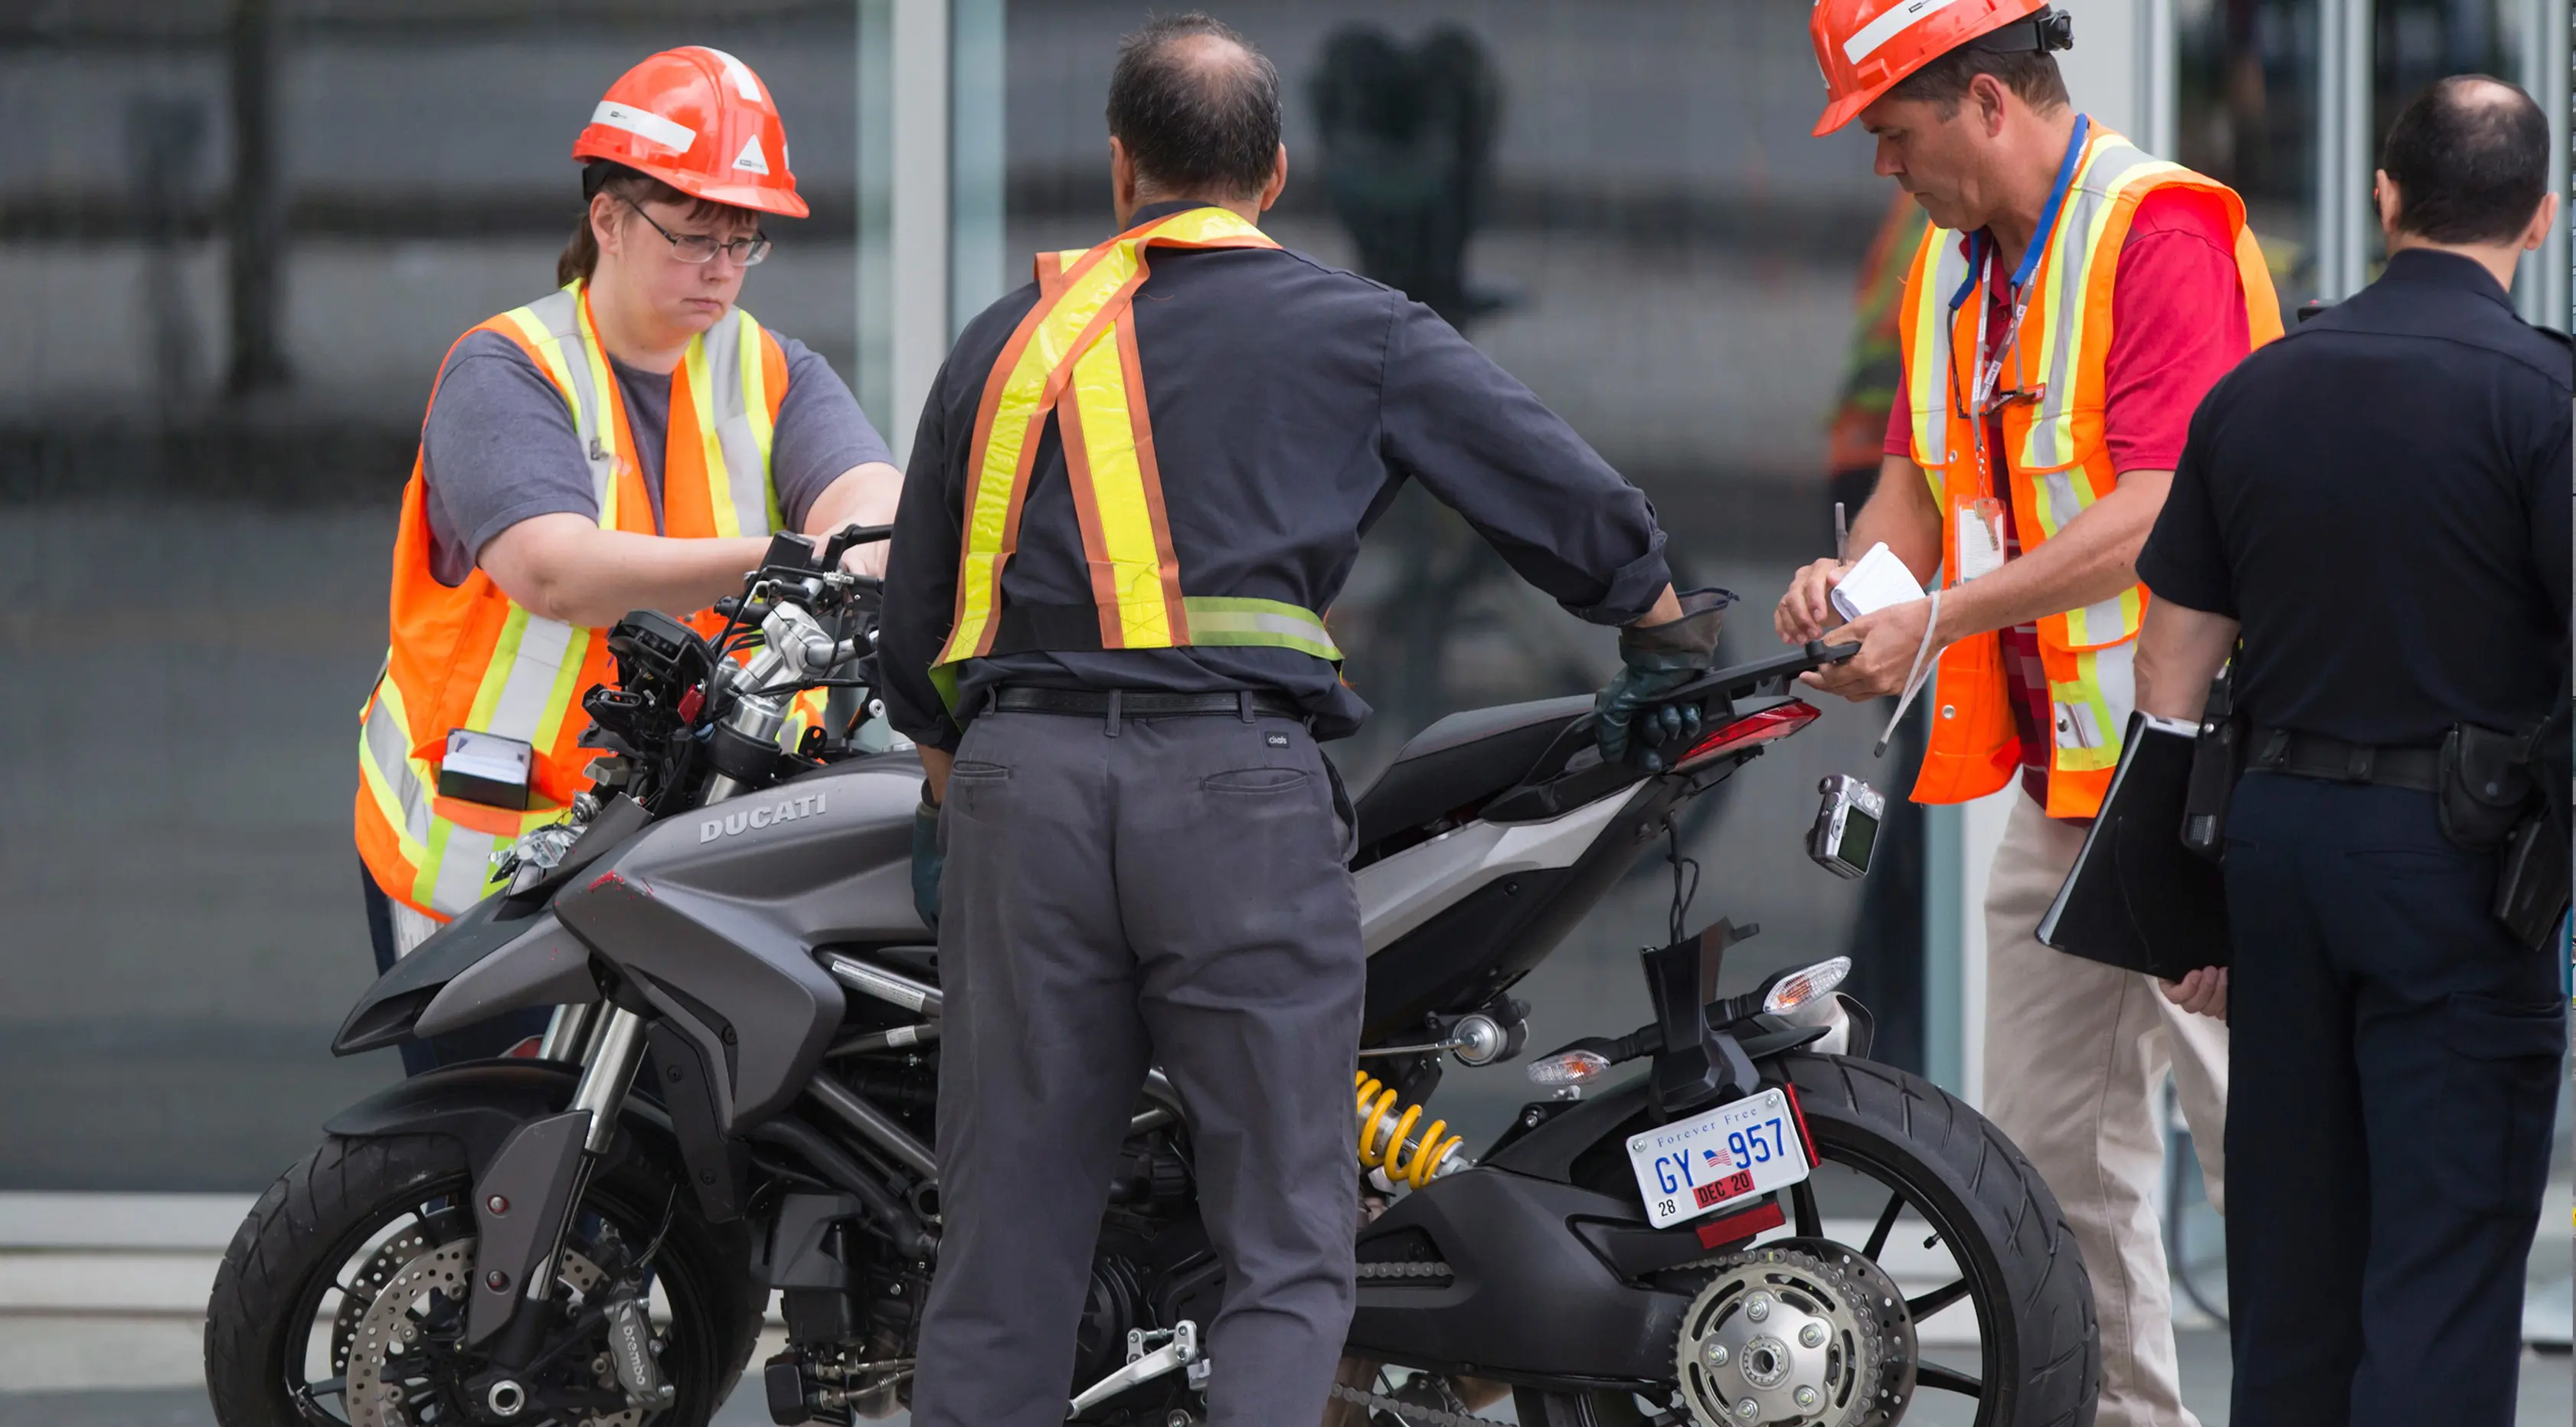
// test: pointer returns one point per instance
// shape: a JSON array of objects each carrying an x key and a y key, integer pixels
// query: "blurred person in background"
[
  {"x": 2379, "y": 506},
  {"x": 629, "y": 441},
  {"x": 2071, "y": 303}
]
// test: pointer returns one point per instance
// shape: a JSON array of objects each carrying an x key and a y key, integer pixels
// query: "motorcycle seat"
[{"x": 1462, "y": 760}]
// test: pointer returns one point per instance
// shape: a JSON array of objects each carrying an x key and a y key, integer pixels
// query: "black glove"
[
  {"x": 1654, "y": 662},
  {"x": 927, "y": 860}
]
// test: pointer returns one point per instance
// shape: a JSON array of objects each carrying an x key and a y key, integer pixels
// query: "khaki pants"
[{"x": 2074, "y": 1052}]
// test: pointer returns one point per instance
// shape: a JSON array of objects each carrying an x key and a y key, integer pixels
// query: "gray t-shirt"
[{"x": 499, "y": 446}]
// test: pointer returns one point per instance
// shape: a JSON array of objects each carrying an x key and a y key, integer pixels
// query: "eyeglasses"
[{"x": 702, "y": 247}]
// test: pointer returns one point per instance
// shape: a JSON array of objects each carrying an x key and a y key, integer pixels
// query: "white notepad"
[{"x": 1879, "y": 580}]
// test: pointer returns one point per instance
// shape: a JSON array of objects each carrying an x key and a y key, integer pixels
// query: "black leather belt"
[
  {"x": 1113, "y": 704},
  {"x": 2309, "y": 755}
]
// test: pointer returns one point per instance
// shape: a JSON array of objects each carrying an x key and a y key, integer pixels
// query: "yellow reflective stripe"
[
  {"x": 2111, "y": 167},
  {"x": 985, "y": 524},
  {"x": 2106, "y": 622},
  {"x": 550, "y": 355},
  {"x": 720, "y": 501},
  {"x": 546, "y": 324},
  {"x": 1108, "y": 438},
  {"x": 755, "y": 380},
  {"x": 395, "y": 780},
  {"x": 1927, "y": 378},
  {"x": 567, "y": 687},
  {"x": 2092, "y": 710},
  {"x": 459, "y": 870},
  {"x": 1221, "y": 619},
  {"x": 595, "y": 357},
  {"x": 753, "y": 358}
]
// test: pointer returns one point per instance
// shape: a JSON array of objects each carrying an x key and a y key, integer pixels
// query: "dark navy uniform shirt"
[
  {"x": 2381, "y": 499},
  {"x": 1289, "y": 402}
]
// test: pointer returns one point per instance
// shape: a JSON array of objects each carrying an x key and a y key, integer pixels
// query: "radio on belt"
[
  {"x": 1846, "y": 830},
  {"x": 486, "y": 768}
]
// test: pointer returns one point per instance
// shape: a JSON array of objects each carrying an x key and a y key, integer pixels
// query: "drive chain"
[{"x": 1413, "y": 1414}]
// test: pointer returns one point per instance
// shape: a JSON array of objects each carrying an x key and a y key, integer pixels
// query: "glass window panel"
[
  {"x": 194, "y": 566},
  {"x": 2245, "y": 75},
  {"x": 1624, "y": 207}
]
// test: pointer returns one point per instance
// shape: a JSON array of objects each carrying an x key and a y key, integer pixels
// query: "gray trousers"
[{"x": 1175, "y": 894}]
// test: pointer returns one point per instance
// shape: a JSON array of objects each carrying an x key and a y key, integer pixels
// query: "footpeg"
[{"x": 1178, "y": 1352}]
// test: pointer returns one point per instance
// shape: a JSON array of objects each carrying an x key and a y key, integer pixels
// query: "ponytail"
[{"x": 580, "y": 256}]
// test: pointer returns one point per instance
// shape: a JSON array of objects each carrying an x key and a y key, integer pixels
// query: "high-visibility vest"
[
  {"x": 469, "y": 657},
  {"x": 2056, "y": 462},
  {"x": 1073, "y": 358}
]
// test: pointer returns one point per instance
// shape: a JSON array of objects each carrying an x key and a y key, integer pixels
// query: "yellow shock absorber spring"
[{"x": 1387, "y": 1140}]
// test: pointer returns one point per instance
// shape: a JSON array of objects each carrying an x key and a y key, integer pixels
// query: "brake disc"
[
  {"x": 381, "y": 1266},
  {"x": 1796, "y": 1335},
  {"x": 386, "y": 1355}
]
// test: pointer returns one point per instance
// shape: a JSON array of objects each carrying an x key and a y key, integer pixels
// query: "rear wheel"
[
  {"x": 1959, "y": 1218},
  {"x": 340, "y": 1301}
]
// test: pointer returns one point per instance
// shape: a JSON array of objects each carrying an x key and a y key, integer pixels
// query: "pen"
[{"x": 1842, "y": 534}]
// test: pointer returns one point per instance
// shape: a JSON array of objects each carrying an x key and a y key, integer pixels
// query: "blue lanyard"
[{"x": 2039, "y": 236}]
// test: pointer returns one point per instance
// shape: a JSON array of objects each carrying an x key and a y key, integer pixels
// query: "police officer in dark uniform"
[
  {"x": 2379, "y": 504},
  {"x": 1137, "y": 484}
]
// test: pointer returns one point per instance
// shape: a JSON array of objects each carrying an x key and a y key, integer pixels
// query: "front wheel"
[{"x": 341, "y": 1299}]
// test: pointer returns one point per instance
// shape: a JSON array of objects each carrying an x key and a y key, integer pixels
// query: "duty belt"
[
  {"x": 2309, "y": 755},
  {"x": 1117, "y": 704}
]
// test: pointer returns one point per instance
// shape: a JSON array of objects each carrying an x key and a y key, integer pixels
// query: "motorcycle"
[{"x": 734, "y": 1099}]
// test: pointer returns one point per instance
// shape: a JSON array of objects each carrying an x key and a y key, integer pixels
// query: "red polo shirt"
[{"x": 2177, "y": 325}]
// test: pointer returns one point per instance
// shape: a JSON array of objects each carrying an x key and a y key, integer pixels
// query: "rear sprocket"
[{"x": 1796, "y": 1334}]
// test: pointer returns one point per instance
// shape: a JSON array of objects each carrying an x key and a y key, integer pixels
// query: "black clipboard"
[{"x": 2138, "y": 899}]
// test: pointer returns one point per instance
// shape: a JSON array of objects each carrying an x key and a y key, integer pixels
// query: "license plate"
[{"x": 1736, "y": 1151}]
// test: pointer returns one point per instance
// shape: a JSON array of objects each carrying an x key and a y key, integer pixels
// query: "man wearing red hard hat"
[
  {"x": 2071, "y": 304},
  {"x": 628, "y": 441}
]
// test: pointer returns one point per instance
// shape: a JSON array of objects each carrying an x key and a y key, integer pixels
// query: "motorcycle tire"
[
  {"x": 2042, "y": 1360},
  {"x": 326, "y": 1208}
]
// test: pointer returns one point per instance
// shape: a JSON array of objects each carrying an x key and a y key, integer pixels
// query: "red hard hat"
[
  {"x": 701, "y": 121},
  {"x": 1865, "y": 47}
]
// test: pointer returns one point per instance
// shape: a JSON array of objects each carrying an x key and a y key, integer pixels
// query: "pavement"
[{"x": 102, "y": 1295}]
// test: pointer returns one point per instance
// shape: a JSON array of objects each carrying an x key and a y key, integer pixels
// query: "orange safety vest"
[
  {"x": 2056, "y": 464},
  {"x": 468, "y": 657},
  {"x": 1073, "y": 358}
]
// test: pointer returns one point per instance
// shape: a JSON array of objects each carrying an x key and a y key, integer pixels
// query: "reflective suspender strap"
[
  {"x": 1074, "y": 355},
  {"x": 1220, "y": 620},
  {"x": 1135, "y": 580}
]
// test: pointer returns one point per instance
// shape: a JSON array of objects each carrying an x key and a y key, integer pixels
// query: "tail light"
[{"x": 1777, "y": 721}]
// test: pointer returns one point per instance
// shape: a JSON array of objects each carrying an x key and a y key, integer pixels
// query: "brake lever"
[{"x": 850, "y": 535}]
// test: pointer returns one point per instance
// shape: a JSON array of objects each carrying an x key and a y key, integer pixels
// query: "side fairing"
[{"x": 716, "y": 914}]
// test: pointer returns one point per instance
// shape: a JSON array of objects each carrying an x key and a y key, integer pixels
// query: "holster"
[
  {"x": 2217, "y": 761},
  {"x": 2533, "y": 883},
  {"x": 2486, "y": 788}
]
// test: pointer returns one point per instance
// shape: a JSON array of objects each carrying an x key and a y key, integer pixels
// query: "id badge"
[{"x": 1981, "y": 538}]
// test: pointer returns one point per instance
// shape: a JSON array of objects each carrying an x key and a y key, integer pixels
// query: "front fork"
[{"x": 525, "y": 1198}]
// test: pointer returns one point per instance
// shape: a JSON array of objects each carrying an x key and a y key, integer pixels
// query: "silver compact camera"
[{"x": 1846, "y": 830}]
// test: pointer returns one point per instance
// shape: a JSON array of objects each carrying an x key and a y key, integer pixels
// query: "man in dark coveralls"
[
  {"x": 1137, "y": 483},
  {"x": 2379, "y": 504}
]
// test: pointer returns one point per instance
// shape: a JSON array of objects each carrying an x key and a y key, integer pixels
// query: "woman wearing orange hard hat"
[{"x": 630, "y": 440}]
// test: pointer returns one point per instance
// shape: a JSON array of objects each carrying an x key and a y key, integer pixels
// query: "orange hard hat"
[
  {"x": 1865, "y": 47},
  {"x": 699, "y": 120}
]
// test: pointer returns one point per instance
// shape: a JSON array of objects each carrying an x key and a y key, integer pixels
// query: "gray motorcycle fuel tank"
[{"x": 715, "y": 916}]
